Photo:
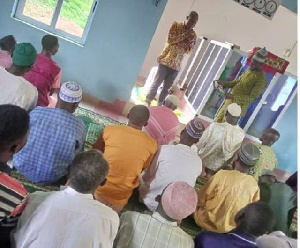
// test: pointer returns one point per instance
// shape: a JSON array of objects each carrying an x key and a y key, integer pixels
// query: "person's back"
[
  {"x": 280, "y": 197},
  {"x": 55, "y": 137},
  {"x": 163, "y": 123},
  {"x": 173, "y": 163},
  {"x": 227, "y": 192},
  {"x": 71, "y": 217},
  {"x": 219, "y": 143},
  {"x": 89, "y": 223},
  {"x": 128, "y": 152},
  {"x": 45, "y": 74},
  {"x": 160, "y": 230},
  {"x": 252, "y": 221}
]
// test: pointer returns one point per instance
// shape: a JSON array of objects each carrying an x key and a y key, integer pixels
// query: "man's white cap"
[
  {"x": 234, "y": 109},
  {"x": 261, "y": 55},
  {"x": 70, "y": 92},
  {"x": 173, "y": 99}
]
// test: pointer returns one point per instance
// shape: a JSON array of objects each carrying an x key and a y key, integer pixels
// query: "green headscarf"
[{"x": 24, "y": 54}]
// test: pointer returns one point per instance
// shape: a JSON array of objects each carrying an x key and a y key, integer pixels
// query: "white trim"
[
  {"x": 17, "y": 14},
  {"x": 289, "y": 102},
  {"x": 238, "y": 236},
  {"x": 260, "y": 103}
]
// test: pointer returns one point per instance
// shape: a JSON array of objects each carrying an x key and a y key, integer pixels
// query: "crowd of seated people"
[{"x": 241, "y": 203}]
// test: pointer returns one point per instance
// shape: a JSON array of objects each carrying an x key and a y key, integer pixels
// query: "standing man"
[
  {"x": 181, "y": 40},
  {"x": 247, "y": 88}
]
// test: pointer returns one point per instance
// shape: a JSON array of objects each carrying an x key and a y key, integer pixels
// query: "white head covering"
[
  {"x": 173, "y": 99},
  {"x": 261, "y": 55},
  {"x": 234, "y": 109},
  {"x": 70, "y": 92}
]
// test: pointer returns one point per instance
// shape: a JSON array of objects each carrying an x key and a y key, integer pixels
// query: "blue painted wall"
[
  {"x": 108, "y": 64},
  {"x": 290, "y": 4},
  {"x": 286, "y": 146}
]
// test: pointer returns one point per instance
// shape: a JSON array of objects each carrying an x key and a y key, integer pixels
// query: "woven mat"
[{"x": 94, "y": 125}]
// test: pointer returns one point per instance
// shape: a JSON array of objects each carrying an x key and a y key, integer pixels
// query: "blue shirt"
[
  {"x": 232, "y": 239},
  {"x": 55, "y": 137}
]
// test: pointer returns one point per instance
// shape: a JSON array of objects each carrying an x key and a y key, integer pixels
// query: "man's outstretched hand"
[{"x": 228, "y": 96}]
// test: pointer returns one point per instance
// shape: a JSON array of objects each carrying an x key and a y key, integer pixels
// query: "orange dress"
[{"x": 128, "y": 152}]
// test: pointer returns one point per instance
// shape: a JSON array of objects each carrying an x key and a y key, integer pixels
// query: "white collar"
[{"x": 73, "y": 192}]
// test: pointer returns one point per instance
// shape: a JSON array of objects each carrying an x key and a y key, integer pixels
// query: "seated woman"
[
  {"x": 46, "y": 74},
  {"x": 7, "y": 45}
]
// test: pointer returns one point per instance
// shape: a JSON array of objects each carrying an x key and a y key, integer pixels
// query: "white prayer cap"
[
  {"x": 261, "y": 55},
  {"x": 70, "y": 92},
  {"x": 234, "y": 109},
  {"x": 173, "y": 99}
]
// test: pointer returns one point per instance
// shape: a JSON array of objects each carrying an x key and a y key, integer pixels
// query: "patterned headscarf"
[
  {"x": 70, "y": 92},
  {"x": 195, "y": 128}
]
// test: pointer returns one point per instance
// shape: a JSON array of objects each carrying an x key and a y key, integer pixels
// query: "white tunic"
[
  {"x": 66, "y": 219},
  {"x": 172, "y": 163},
  {"x": 16, "y": 90}
]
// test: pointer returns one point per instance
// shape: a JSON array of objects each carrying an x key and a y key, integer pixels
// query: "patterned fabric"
[
  {"x": 45, "y": 75},
  {"x": 12, "y": 196},
  {"x": 245, "y": 90},
  {"x": 56, "y": 136},
  {"x": 17, "y": 91},
  {"x": 143, "y": 230},
  {"x": 162, "y": 125},
  {"x": 218, "y": 144},
  {"x": 222, "y": 197},
  {"x": 232, "y": 239},
  {"x": 5, "y": 59},
  {"x": 179, "y": 42},
  {"x": 267, "y": 160},
  {"x": 128, "y": 151}
]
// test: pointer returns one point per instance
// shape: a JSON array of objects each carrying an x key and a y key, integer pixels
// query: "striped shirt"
[
  {"x": 143, "y": 230},
  {"x": 12, "y": 200}
]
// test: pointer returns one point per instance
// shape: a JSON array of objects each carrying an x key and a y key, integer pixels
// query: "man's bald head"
[
  {"x": 192, "y": 19},
  {"x": 269, "y": 137},
  {"x": 139, "y": 115}
]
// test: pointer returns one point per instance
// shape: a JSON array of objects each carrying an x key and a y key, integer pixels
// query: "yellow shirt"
[
  {"x": 128, "y": 151},
  {"x": 222, "y": 197},
  {"x": 267, "y": 160},
  {"x": 179, "y": 42},
  {"x": 247, "y": 88}
]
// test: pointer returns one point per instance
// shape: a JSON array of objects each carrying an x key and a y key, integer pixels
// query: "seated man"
[
  {"x": 163, "y": 123},
  {"x": 280, "y": 197},
  {"x": 160, "y": 229},
  {"x": 173, "y": 163},
  {"x": 276, "y": 240},
  {"x": 268, "y": 159},
  {"x": 46, "y": 74},
  {"x": 56, "y": 136},
  {"x": 71, "y": 217},
  {"x": 128, "y": 151},
  {"x": 14, "y": 128},
  {"x": 251, "y": 221},
  {"x": 227, "y": 192},
  {"x": 7, "y": 45},
  {"x": 14, "y": 88},
  {"x": 220, "y": 141}
]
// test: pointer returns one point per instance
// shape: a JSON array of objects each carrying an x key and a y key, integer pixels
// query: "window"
[{"x": 67, "y": 18}]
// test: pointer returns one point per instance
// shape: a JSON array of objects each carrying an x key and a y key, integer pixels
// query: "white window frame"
[
  {"x": 263, "y": 99},
  {"x": 17, "y": 13}
]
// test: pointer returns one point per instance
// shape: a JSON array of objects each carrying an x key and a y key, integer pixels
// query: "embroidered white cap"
[{"x": 70, "y": 92}]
